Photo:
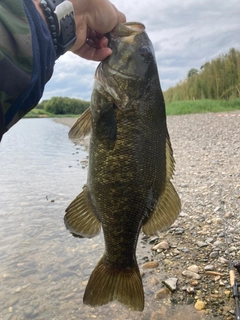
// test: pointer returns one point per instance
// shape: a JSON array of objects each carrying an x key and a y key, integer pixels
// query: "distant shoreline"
[{"x": 66, "y": 121}]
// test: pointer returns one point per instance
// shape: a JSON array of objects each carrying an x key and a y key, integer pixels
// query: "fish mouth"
[{"x": 127, "y": 31}]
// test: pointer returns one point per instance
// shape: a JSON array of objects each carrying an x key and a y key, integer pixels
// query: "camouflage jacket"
[{"x": 27, "y": 58}]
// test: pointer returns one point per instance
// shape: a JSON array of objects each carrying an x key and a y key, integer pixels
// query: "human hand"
[{"x": 94, "y": 18}]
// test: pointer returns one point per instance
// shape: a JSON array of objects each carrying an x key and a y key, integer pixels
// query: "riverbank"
[{"x": 207, "y": 152}]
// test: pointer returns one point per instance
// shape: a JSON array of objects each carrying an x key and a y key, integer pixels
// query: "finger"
[{"x": 91, "y": 53}]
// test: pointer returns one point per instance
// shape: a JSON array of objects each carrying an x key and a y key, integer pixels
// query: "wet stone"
[
  {"x": 199, "y": 305},
  {"x": 162, "y": 294},
  {"x": 171, "y": 283}
]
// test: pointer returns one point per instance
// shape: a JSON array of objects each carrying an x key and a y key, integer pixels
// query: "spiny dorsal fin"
[
  {"x": 82, "y": 126},
  {"x": 108, "y": 283},
  {"x": 80, "y": 219}
]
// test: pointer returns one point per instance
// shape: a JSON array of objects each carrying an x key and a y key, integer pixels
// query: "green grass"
[
  {"x": 173, "y": 108},
  {"x": 202, "y": 106},
  {"x": 40, "y": 113}
]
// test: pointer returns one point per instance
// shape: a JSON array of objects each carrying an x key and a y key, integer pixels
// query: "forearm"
[{"x": 26, "y": 59}]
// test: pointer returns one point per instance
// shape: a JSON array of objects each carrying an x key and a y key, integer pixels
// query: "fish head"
[{"x": 127, "y": 72}]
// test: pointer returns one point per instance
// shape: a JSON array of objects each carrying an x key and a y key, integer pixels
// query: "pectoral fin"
[
  {"x": 80, "y": 219},
  {"x": 82, "y": 126},
  {"x": 166, "y": 212}
]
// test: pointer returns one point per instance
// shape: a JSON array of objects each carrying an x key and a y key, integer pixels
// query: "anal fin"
[
  {"x": 165, "y": 213},
  {"x": 80, "y": 219}
]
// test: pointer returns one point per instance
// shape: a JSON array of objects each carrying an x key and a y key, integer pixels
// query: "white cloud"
[{"x": 185, "y": 35}]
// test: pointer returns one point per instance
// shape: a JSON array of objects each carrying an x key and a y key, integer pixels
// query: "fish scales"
[{"x": 130, "y": 166}]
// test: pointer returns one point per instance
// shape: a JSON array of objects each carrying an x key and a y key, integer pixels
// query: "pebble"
[
  {"x": 202, "y": 244},
  {"x": 150, "y": 265},
  {"x": 190, "y": 290},
  {"x": 213, "y": 254},
  {"x": 194, "y": 283},
  {"x": 171, "y": 283},
  {"x": 223, "y": 261},
  {"x": 153, "y": 240},
  {"x": 199, "y": 305},
  {"x": 179, "y": 231},
  {"x": 191, "y": 275},
  {"x": 218, "y": 243},
  {"x": 193, "y": 268},
  {"x": 161, "y": 245},
  {"x": 217, "y": 220},
  {"x": 162, "y": 294},
  {"x": 209, "y": 267}
]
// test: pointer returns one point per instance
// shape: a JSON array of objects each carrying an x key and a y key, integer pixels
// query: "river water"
[{"x": 43, "y": 269}]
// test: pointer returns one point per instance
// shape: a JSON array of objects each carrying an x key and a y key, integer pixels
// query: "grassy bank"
[
  {"x": 202, "y": 106},
  {"x": 40, "y": 113},
  {"x": 173, "y": 108}
]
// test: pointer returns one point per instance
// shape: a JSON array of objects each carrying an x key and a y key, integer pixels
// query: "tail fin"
[{"x": 108, "y": 283}]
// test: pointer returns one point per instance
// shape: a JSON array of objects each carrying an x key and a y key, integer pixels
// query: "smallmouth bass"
[{"x": 131, "y": 164}]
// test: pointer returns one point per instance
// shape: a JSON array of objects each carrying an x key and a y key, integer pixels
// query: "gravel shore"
[{"x": 193, "y": 252}]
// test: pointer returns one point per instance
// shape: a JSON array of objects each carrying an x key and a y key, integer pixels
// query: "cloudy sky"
[{"x": 185, "y": 35}]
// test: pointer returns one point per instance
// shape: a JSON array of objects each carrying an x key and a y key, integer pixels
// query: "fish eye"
[{"x": 144, "y": 51}]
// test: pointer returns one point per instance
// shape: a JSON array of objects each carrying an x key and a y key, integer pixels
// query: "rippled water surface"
[{"x": 43, "y": 269}]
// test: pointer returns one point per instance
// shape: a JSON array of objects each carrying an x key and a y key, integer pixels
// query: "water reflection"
[{"x": 44, "y": 270}]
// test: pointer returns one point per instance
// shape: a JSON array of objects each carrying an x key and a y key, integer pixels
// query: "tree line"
[
  {"x": 63, "y": 105},
  {"x": 218, "y": 79}
]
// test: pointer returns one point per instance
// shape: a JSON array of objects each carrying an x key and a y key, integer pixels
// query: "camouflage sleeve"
[{"x": 27, "y": 58}]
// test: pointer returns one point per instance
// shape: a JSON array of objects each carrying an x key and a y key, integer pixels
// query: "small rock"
[
  {"x": 202, "y": 244},
  {"x": 218, "y": 243},
  {"x": 154, "y": 240},
  {"x": 193, "y": 268},
  {"x": 228, "y": 215},
  {"x": 209, "y": 267},
  {"x": 150, "y": 265},
  {"x": 199, "y": 305},
  {"x": 217, "y": 220},
  {"x": 213, "y": 254},
  {"x": 179, "y": 231},
  {"x": 154, "y": 282},
  {"x": 162, "y": 294},
  {"x": 183, "y": 214},
  {"x": 161, "y": 245},
  {"x": 194, "y": 283},
  {"x": 227, "y": 293},
  {"x": 191, "y": 275},
  {"x": 171, "y": 283},
  {"x": 223, "y": 261},
  {"x": 190, "y": 290}
]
